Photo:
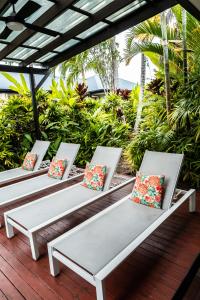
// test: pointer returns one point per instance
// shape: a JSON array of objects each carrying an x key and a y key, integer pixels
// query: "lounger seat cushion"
[
  {"x": 22, "y": 189},
  {"x": 39, "y": 148},
  {"x": 12, "y": 173},
  {"x": 52, "y": 206},
  {"x": 97, "y": 243}
]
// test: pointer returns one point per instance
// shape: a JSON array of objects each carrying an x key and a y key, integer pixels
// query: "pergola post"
[{"x": 34, "y": 103}]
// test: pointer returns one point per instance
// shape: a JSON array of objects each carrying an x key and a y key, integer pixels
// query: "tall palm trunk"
[
  {"x": 83, "y": 75},
  {"x": 114, "y": 64},
  {"x": 142, "y": 88},
  {"x": 166, "y": 61},
  {"x": 184, "y": 32}
]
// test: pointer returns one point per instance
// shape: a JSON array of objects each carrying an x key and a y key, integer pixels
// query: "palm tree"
[
  {"x": 142, "y": 89},
  {"x": 75, "y": 67},
  {"x": 147, "y": 38},
  {"x": 155, "y": 40},
  {"x": 184, "y": 34},
  {"x": 163, "y": 22},
  {"x": 103, "y": 59},
  {"x": 129, "y": 54},
  {"x": 189, "y": 48}
]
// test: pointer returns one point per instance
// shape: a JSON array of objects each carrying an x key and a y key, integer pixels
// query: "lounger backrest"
[
  {"x": 110, "y": 157},
  {"x": 167, "y": 164},
  {"x": 69, "y": 152},
  {"x": 40, "y": 148}
]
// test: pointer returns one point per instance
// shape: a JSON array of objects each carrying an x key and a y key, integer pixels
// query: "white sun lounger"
[
  {"x": 17, "y": 191},
  {"x": 31, "y": 218},
  {"x": 96, "y": 247},
  {"x": 9, "y": 176}
]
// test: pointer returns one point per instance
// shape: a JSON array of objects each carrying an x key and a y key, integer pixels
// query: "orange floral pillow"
[
  {"x": 148, "y": 190},
  {"x": 94, "y": 177},
  {"x": 29, "y": 161},
  {"x": 57, "y": 168}
]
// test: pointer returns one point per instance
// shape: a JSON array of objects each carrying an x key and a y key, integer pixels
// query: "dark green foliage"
[
  {"x": 182, "y": 135},
  {"x": 70, "y": 116},
  {"x": 64, "y": 115},
  {"x": 16, "y": 123}
]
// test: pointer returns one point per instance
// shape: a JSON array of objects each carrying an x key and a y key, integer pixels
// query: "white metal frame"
[
  {"x": 57, "y": 183},
  {"x": 53, "y": 184},
  {"x": 97, "y": 280},
  {"x": 31, "y": 233}
]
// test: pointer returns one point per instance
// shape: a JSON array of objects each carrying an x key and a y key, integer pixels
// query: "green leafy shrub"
[
  {"x": 71, "y": 116},
  {"x": 16, "y": 124},
  {"x": 64, "y": 115},
  {"x": 182, "y": 135}
]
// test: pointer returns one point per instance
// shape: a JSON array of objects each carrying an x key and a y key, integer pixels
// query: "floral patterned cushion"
[
  {"x": 94, "y": 177},
  {"x": 57, "y": 168},
  {"x": 29, "y": 161},
  {"x": 148, "y": 190}
]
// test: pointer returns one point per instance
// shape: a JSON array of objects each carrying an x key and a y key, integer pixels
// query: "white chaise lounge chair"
[
  {"x": 96, "y": 247},
  {"x": 19, "y": 174},
  {"x": 31, "y": 218},
  {"x": 20, "y": 190}
]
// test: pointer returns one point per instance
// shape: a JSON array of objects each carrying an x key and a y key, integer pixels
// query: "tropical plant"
[
  {"x": 69, "y": 114},
  {"x": 142, "y": 91},
  {"x": 163, "y": 23},
  {"x": 181, "y": 136},
  {"x": 147, "y": 38},
  {"x": 103, "y": 59},
  {"x": 19, "y": 87},
  {"x": 75, "y": 67}
]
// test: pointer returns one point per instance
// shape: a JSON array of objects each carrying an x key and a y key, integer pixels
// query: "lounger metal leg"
[
  {"x": 9, "y": 229},
  {"x": 53, "y": 263},
  {"x": 100, "y": 289},
  {"x": 192, "y": 202},
  {"x": 34, "y": 246}
]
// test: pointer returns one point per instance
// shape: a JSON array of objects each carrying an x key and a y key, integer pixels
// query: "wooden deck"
[{"x": 154, "y": 271}]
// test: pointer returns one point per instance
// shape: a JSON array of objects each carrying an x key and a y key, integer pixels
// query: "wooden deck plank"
[
  {"x": 17, "y": 280},
  {"x": 154, "y": 271},
  {"x": 8, "y": 290}
]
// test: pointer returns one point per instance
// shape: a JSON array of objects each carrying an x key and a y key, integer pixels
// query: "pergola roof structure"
[{"x": 64, "y": 28}]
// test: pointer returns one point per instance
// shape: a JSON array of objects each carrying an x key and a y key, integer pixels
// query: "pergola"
[{"x": 56, "y": 30}]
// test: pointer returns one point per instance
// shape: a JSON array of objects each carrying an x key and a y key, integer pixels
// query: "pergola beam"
[
  {"x": 151, "y": 8},
  {"x": 18, "y": 69},
  {"x": 132, "y": 19},
  {"x": 42, "y": 21},
  {"x": 190, "y": 8},
  {"x": 86, "y": 24},
  {"x": 4, "y": 5}
]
